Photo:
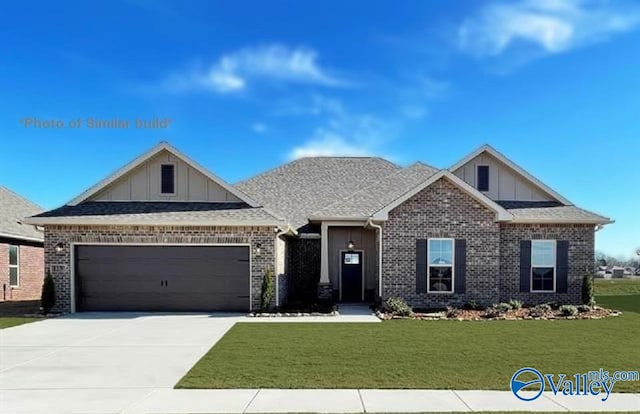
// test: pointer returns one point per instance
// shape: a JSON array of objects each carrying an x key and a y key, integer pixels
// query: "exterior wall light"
[
  {"x": 351, "y": 245},
  {"x": 258, "y": 248},
  {"x": 59, "y": 247}
]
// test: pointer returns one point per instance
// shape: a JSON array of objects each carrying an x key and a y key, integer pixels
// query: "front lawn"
[
  {"x": 9, "y": 321},
  {"x": 423, "y": 354}
]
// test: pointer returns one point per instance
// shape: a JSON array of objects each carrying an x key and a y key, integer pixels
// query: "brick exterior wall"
[
  {"x": 441, "y": 210},
  {"x": 581, "y": 259},
  {"x": 60, "y": 263},
  {"x": 31, "y": 272}
]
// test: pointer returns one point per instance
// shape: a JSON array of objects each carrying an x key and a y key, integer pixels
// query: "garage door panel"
[{"x": 166, "y": 278}]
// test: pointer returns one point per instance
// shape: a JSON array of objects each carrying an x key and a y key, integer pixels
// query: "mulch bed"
[{"x": 516, "y": 314}]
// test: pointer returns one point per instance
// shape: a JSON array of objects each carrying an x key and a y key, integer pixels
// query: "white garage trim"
[{"x": 72, "y": 247}]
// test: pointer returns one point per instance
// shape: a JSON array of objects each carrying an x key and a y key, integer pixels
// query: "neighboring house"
[
  {"x": 164, "y": 233},
  {"x": 21, "y": 249}
]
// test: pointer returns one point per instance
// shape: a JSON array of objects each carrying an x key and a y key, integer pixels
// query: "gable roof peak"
[
  {"x": 486, "y": 148},
  {"x": 156, "y": 149}
]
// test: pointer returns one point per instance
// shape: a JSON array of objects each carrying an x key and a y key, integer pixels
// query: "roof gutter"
[
  {"x": 19, "y": 237},
  {"x": 52, "y": 221}
]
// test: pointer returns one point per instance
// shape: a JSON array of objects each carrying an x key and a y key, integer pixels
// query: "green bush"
[
  {"x": 48, "y": 298},
  {"x": 502, "y": 307},
  {"x": 568, "y": 310},
  {"x": 543, "y": 308},
  {"x": 584, "y": 308},
  {"x": 398, "y": 307},
  {"x": 267, "y": 290},
  {"x": 587, "y": 290},
  {"x": 515, "y": 304},
  {"x": 473, "y": 305}
]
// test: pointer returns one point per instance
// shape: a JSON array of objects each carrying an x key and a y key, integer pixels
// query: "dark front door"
[
  {"x": 351, "y": 263},
  {"x": 162, "y": 278}
]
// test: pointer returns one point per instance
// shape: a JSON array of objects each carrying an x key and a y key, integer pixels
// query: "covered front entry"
[{"x": 162, "y": 278}]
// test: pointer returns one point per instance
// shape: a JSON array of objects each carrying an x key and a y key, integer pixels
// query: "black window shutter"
[
  {"x": 525, "y": 265},
  {"x": 562, "y": 266},
  {"x": 483, "y": 178},
  {"x": 421, "y": 265},
  {"x": 460, "y": 266}
]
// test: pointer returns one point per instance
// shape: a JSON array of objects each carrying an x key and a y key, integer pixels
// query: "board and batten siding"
[
  {"x": 364, "y": 239},
  {"x": 504, "y": 182},
  {"x": 143, "y": 184}
]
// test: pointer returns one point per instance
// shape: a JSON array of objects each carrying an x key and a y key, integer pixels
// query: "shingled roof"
[
  {"x": 551, "y": 212},
  {"x": 298, "y": 189},
  {"x": 13, "y": 209},
  {"x": 158, "y": 213},
  {"x": 367, "y": 201}
]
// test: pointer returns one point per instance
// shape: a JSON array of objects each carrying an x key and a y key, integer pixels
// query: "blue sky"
[{"x": 552, "y": 84}]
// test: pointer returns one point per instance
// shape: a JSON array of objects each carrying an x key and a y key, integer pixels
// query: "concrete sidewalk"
[{"x": 365, "y": 401}]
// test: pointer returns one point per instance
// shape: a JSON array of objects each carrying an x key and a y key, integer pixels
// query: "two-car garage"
[{"x": 162, "y": 278}]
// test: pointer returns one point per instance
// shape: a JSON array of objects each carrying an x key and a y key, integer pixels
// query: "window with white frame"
[
  {"x": 543, "y": 265},
  {"x": 440, "y": 265},
  {"x": 14, "y": 265}
]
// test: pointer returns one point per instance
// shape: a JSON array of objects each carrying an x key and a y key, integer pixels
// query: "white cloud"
[
  {"x": 328, "y": 145},
  {"x": 234, "y": 71},
  {"x": 551, "y": 26},
  {"x": 344, "y": 133}
]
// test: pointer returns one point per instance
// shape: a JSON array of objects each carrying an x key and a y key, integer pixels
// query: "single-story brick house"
[
  {"x": 21, "y": 249},
  {"x": 164, "y": 233}
]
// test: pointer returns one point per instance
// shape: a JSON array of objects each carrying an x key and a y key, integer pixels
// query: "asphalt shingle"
[
  {"x": 298, "y": 189},
  {"x": 367, "y": 201},
  {"x": 13, "y": 209},
  {"x": 137, "y": 212}
]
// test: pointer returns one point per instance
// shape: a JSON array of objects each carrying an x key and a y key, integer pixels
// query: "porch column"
[
  {"x": 325, "y": 290},
  {"x": 324, "y": 253}
]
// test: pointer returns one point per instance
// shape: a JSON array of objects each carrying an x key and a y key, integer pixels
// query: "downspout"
[{"x": 379, "y": 227}]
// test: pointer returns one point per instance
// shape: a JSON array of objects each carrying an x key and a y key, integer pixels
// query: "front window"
[
  {"x": 440, "y": 262},
  {"x": 543, "y": 266},
  {"x": 14, "y": 271}
]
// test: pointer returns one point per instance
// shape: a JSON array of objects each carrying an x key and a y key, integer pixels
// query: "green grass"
[
  {"x": 9, "y": 321},
  {"x": 423, "y": 354}
]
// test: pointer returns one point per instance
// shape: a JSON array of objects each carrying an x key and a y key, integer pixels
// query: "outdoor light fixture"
[
  {"x": 351, "y": 245},
  {"x": 59, "y": 247},
  {"x": 258, "y": 247}
]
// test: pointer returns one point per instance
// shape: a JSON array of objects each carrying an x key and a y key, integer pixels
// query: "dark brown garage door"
[{"x": 162, "y": 278}]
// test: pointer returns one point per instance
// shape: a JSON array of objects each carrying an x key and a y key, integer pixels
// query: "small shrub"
[
  {"x": 584, "y": 308},
  {"x": 473, "y": 305},
  {"x": 267, "y": 290},
  {"x": 587, "y": 290},
  {"x": 48, "y": 298},
  {"x": 568, "y": 310},
  {"x": 515, "y": 304},
  {"x": 543, "y": 308},
  {"x": 502, "y": 307},
  {"x": 398, "y": 307}
]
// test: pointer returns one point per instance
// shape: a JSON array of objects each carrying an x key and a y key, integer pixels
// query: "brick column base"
[{"x": 325, "y": 291}]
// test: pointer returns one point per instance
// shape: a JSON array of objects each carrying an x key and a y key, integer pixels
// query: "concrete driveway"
[{"x": 100, "y": 362}]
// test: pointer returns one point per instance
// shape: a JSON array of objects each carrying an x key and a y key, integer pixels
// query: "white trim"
[
  {"x": 104, "y": 221},
  {"x": 555, "y": 266},
  {"x": 452, "y": 265},
  {"x": 363, "y": 271},
  {"x": 501, "y": 213},
  {"x": 73, "y": 270},
  {"x": 175, "y": 179},
  {"x": 16, "y": 266},
  {"x": 148, "y": 155},
  {"x": 533, "y": 180},
  {"x": 379, "y": 228},
  {"x": 488, "y": 177},
  {"x": 334, "y": 219}
]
